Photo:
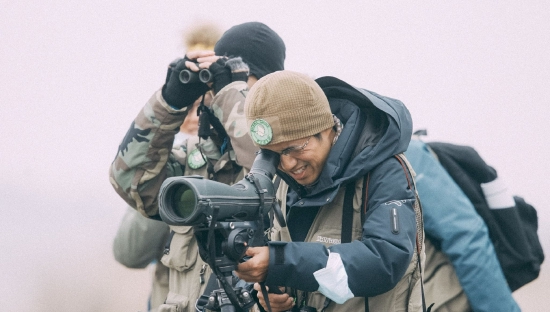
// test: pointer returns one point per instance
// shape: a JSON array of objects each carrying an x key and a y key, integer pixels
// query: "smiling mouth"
[{"x": 298, "y": 171}]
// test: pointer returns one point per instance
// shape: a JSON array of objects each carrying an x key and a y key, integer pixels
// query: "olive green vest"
[{"x": 327, "y": 228}]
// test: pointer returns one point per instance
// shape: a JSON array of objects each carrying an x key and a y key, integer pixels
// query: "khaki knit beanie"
[{"x": 285, "y": 106}]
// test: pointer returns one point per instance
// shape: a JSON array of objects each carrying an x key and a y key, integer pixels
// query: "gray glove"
[{"x": 226, "y": 71}]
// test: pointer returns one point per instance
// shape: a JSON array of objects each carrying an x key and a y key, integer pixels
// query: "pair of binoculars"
[{"x": 188, "y": 76}]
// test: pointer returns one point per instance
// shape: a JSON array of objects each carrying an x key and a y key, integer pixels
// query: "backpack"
[{"x": 513, "y": 231}]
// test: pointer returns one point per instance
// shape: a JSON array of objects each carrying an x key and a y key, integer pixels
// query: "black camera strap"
[
  {"x": 207, "y": 119},
  {"x": 204, "y": 120},
  {"x": 266, "y": 296},
  {"x": 276, "y": 184},
  {"x": 347, "y": 214}
]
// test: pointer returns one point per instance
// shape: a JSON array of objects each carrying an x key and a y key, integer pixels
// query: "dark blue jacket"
[{"x": 375, "y": 129}]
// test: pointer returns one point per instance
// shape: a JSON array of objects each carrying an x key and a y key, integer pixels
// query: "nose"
[{"x": 287, "y": 162}]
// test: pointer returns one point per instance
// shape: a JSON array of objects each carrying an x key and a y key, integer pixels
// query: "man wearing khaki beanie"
[{"x": 348, "y": 195}]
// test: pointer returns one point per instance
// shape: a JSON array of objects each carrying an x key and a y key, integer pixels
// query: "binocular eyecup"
[{"x": 188, "y": 76}]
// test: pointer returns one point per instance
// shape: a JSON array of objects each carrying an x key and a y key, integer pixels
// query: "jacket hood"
[{"x": 375, "y": 128}]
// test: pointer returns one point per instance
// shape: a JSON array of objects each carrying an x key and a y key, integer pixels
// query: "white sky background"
[{"x": 74, "y": 74}]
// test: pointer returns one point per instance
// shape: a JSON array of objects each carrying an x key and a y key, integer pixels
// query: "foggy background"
[{"x": 74, "y": 74}]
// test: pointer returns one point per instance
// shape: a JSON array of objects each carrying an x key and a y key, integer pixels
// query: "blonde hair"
[{"x": 202, "y": 36}]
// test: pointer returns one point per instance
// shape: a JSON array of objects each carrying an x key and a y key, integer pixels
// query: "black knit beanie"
[{"x": 257, "y": 44}]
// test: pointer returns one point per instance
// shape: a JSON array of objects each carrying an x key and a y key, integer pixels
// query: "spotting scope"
[{"x": 192, "y": 200}]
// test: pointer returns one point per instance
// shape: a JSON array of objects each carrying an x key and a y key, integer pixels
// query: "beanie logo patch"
[
  {"x": 195, "y": 159},
  {"x": 261, "y": 132}
]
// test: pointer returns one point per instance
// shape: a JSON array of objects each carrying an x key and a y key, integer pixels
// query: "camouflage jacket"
[{"x": 146, "y": 157}]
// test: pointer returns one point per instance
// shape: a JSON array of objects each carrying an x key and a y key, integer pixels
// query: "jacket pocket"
[{"x": 183, "y": 249}]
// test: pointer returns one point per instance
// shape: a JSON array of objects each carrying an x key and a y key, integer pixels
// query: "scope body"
[{"x": 191, "y": 200}]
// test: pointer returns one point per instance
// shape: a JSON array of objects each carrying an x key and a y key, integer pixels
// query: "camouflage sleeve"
[
  {"x": 144, "y": 160},
  {"x": 228, "y": 106}
]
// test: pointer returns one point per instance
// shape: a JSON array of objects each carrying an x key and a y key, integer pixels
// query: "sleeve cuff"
[
  {"x": 292, "y": 264},
  {"x": 168, "y": 107},
  {"x": 276, "y": 273},
  {"x": 333, "y": 280}
]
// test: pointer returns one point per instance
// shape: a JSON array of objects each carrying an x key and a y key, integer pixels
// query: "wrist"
[{"x": 239, "y": 69}]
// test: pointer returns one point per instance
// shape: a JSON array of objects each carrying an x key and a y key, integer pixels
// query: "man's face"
[{"x": 303, "y": 159}]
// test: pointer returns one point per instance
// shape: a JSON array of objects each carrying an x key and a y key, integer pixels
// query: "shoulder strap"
[
  {"x": 418, "y": 205},
  {"x": 347, "y": 211},
  {"x": 347, "y": 214},
  {"x": 419, "y": 222},
  {"x": 347, "y": 218}
]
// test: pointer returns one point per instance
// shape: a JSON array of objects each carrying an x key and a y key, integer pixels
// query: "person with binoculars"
[
  {"x": 222, "y": 151},
  {"x": 139, "y": 241}
]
